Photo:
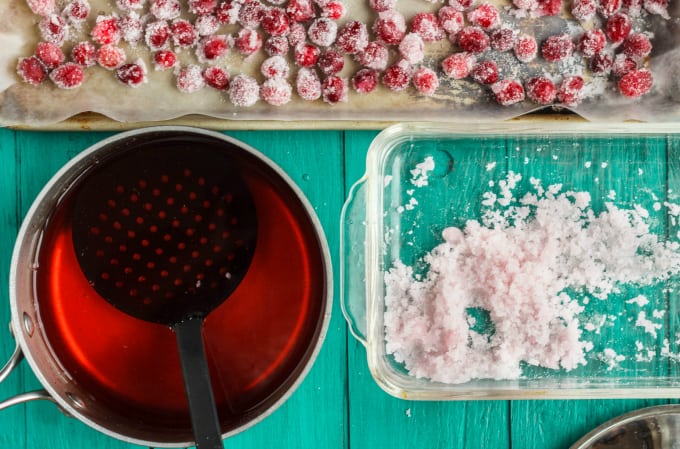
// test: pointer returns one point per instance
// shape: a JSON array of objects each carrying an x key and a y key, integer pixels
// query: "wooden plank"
[
  {"x": 378, "y": 420},
  {"x": 12, "y": 421},
  {"x": 315, "y": 415}
]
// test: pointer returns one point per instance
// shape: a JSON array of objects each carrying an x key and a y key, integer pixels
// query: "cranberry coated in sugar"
[
  {"x": 50, "y": 54},
  {"x": 425, "y": 80},
  {"x": 397, "y": 76},
  {"x": 275, "y": 22},
  {"x": 184, "y": 35},
  {"x": 306, "y": 55},
  {"x": 473, "y": 39},
  {"x": 164, "y": 59},
  {"x": 276, "y": 45},
  {"x": 502, "y": 39},
  {"x": 110, "y": 57},
  {"x": 352, "y": 37},
  {"x": 216, "y": 77},
  {"x": 637, "y": 46},
  {"x": 308, "y": 84},
  {"x": 300, "y": 10},
  {"x": 618, "y": 27},
  {"x": 570, "y": 90},
  {"x": 365, "y": 81},
  {"x": 68, "y": 76},
  {"x": 334, "y": 89},
  {"x": 77, "y": 11},
  {"x": 591, "y": 42},
  {"x": 84, "y": 53},
  {"x": 248, "y": 41},
  {"x": 165, "y": 9},
  {"x": 157, "y": 35},
  {"x": 525, "y": 48},
  {"x": 374, "y": 56},
  {"x": 323, "y": 32},
  {"x": 583, "y": 10},
  {"x": 450, "y": 19},
  {"x": 244, "y": 91},
  {"x": 427, "y": 26},
  {"x": 458, "y": 65},
  {"x": 485, "y": 16},
  {"x": 53, "y": 28},
  {"x": 190, "y": 79},
  {"x": 275, "y": 67},
  {"x": 333, "y": 10},
  {"x": 276, "y": 91},
  {"x": 601, "y": 64},
  {"x": 390, "y": 27},
  {"x": 31, "y": 70},
  {"x": 540, "y": 90},
  {"x": 251, "y": 13},
  {"x": 133, "y": 74},
  {"x": 199, "y": 7},
  {"x": 636, "y": 83},
  {"x": 485, "y": 72},
  {"x": 557, "y": 48},
  {"x": 331, "y": 62},
  {"x": 211, "y": 48},
  {"x": 508, "y": 92}
]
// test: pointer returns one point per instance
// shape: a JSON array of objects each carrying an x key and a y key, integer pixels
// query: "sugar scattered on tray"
[{"x": 527, "y": 265}]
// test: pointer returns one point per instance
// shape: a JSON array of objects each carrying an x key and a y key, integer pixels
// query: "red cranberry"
[
  {"x": 251, "y": 13},
  {"x": 398, "y": 76},
  {"x": 201, "y": 6},
  {"x": 485, "y": 16},
  {"x": 275, "y": 67},
  {"x": 131, "y": 28},
  {"x": 382, "y": 5},
  {"x": 184, "y": 35},
  {"x": 308, "y": 84},
  {"x": 427, "y": 26},
  {"x": 275, "y": 22},
  {"x": 352, "y": 37},
  {"x": 622, "y": 65},
  {"x": 68, "y": 76},
  {"x": 570, "y": 90},
  {"x": 636, "y": 83},
  {"x": 333, "y": 10},
  {"x": 412, "y": 48},
  {"x": 164, "y": 59},
  {"x": 609, "y": 7},
  {"x": 458, "y": 65},
  {"x": 591, "y": 42},
  {"x": 276, "y": 91},
  {"x": 31, "y": 70},
  {"x": 276, "y": 45},
  {"x": 133, "y": 75},
  {"x": 508, "y": 92},
  {"x": 129, "y": 5},
  {"x": 658, "y": 7},
  {"x": 53, "y": 28},
  {"x": 583, "y": 10},
  {"x": 248, "y": 41},
  {"x": 244, "y": 91},
  {"x": 460, "y": 5},
  {"x": 227, "y": 12},
  {"x": 165, "y": 9},
  {"x": 557, "y": 48},
  {"x": 334, "y": 90},
  {"x": 77, "y": 11},
  {"x": 601, "y": 64},
  {"x": 216, "y": 77},
  {"x": 485, "y": 72},
  {"x": 50, "y": 54},
  {"x": 450, "y": 19},
  {"x": 425, "y": 81},
  {"x": 206, "y": 24},
  {"x": 365, "y": 81},
  {"x": 300, "y": 10},
  {"x": 618, "y": 27},
  {"x": 473, "y": 40},
  {"x": 323, "y": 32},
  {"x": 540, "y": 90},
  {"x": 637, "y": 46},
  {"x": 549, "y": 8},
  {"x": 84, "y": 53},
  {"x": 190, "y": 79},
  {"x": 211, "y": 48},
  {"x": 390, "y": 27},
  {"x": 374, "y": 56},
  {"x": 525, "y": 48},
  {"x": 331, "y": 62},
  {"x": 157, "y": 35},
  {"x": 306, "y": 55},
  {"x": 110, "y": 57},
  {"x": 503, "y": 39}
]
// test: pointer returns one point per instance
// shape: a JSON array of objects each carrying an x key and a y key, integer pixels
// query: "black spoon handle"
[{"x": 204, "y": 419}]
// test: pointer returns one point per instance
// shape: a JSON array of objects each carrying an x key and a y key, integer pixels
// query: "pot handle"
[
  {"x": 16, "y": 357},
  {"x": 353, "y": 260}
]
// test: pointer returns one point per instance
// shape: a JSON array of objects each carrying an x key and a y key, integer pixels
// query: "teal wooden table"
[{"x": 338, "y": 405}]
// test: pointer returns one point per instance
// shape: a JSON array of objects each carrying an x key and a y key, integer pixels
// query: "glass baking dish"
[{"x": 422, "y": 178}]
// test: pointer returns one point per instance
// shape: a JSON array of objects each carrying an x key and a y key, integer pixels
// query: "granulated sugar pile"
[{"x": 520, "y": 264}]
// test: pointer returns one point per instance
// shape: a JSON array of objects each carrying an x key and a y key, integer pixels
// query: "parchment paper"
[{"x": 455, "y": 100}]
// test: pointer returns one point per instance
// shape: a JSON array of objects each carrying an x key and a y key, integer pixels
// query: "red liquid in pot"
[{"x": 257, "y": 341}]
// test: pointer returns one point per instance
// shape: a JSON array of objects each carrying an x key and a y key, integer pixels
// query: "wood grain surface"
[{"x": 338, "y": 405}]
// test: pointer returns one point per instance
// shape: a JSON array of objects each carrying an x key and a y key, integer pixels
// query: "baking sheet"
[{"x": 455, "y": 100}]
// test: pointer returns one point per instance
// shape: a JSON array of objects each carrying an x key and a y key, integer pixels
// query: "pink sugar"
[{"x": 517, "y": 263}]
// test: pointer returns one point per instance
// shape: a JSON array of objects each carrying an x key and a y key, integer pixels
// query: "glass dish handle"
[{"x": 353, "y": 260}]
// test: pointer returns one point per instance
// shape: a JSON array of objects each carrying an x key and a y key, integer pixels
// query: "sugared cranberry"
[
  {"x": 227, "y": 12},
  {"x": 608, "y": 7},
  {"x": 211, "y": 48},
  {"x": 276, "y": 91},
  {"x": 42, "y": 7},
  {"x": 583, "y": 10},
  {"x": 300, "y": 10},
  {"x": 50, "y": 54},
  {"x": 216, "y": 77},
  {"x": 31, "y": 70},
  {"x": 460, "y": 5},
  {"x": 306, "y": 55},
  {"x": 425, "y": 80},
  {"x": 331, "y": 62},
  {"x": 157, "y": 35},
  {"x": 570, "y": 90},
  {"x": 164, "y": 60},
  {"x": 275, "y": 22},
  {"x": 190, "y": 79},
  {"x": 275, "y": 67},
  {"x": 184, "y": 35},
  {"x": 636, "y": 83},
  {"x": 251, "y": 13},
  {"x": 548, "y": 8},
  {"x": 365, "y": 81},
  {"x": 622, "y": 65},
  {"x": 68, "y": 76},
  {"x": 450, "y": 19},
  {"x": 473, "y": 39},
  {"x": 201, "y": 6},
  {"x": 637, "y": 46},
  {"x": 458, "y": 65},
  {"x": 485, "y": 72},
  {"x": 540, "y": 90},
  {"x": 53, "y": 28},
  {"x": 397, "y": 76},
  {"x": 557, "y": 48},
  {"x": 323, "y": 32},
  {"x": 276, "y": 45},
  {"x": 591, "y": 42},
  {"x": 334, "y": 89},
  {"x": 658, "y": 7},
  {"x": 525, "y": 48},
  {"x": 84, "y": 53},
  {"x": 106, "y": 30},
  {"x": 297, "y": 34},
  {"x": 248, "y": 41},
  {"x": 382, "y": 5},
  {"x": 374, "y": 56},
  {"x": 165, "y": 9},
  {"x": 352, "y": 37},
  {"x": 308, "y": 84},
  {"x": 131, "y": 28},
  {"x": 110, "y": 57},
  {"x": 633, "y": 7},
  {"x": 390, "y": 27},
  {"x": 77, "y": 11},
  {"x": 133, "y": 75},
  {"x": 129, "y": 5},
  {"x": 333, "y": 10},
  {"x": 206, "y": 24},
  {"x": 601, "y": 64},
  {"x": 508, "y": 92},
  {"x": 485, "y": 16},
  {"x": 503, "y": 39},
  {"x": 526, "y": 6},
  {"x": 427, "y": 26},
  {"x": 412, "y": 48},
  {"x": 618, "y": 27}
]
